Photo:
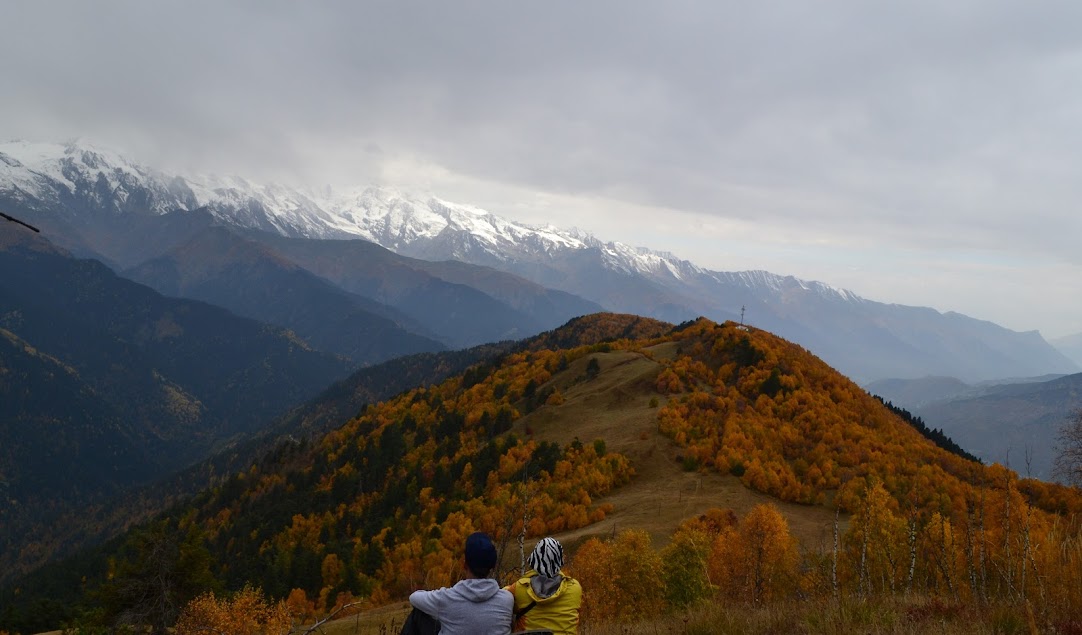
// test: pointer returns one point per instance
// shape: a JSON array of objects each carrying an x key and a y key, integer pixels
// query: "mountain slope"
[
  {"x": 1070, "y": 346},
  {"x": 563, "y": 440},
  {"x": 221, "y": 268},
  {"x": 455, "y": 313},
  {"x": 123, "y": 242},
  {"x": 86, "y": 526},
  {"x": 1011, "y": 423},
  {"x": 461, "y": 314},
  {"x": 43, "y": 435},
  {"x": 547, "y": 306},
  {"x": 915, "y": 393},
  {"x": 154, "y": 383},
  {"x": 130, "y": 337}
]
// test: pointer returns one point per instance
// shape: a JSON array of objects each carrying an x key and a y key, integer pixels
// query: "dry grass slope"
[
  {"x": 915, "y": 615},
  {"x": 615, "y": 406}
]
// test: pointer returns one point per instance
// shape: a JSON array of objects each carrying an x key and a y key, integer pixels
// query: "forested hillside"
[
  {"x": 94, "y": 520},
  {"x": 524, "y": 447},
  {"x": 107, "y": 384}
]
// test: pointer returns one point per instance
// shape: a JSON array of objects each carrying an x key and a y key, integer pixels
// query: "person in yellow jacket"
[{"x": 546, "y": 598}]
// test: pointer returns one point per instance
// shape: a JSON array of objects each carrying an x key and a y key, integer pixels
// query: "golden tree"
[
  {"x": 877, "y": 541},
  {"x": 246, "y": 613},
  {"x": 593, "y": 568},
  {"x": 637, "y": 569},
  {"x": 758, "y": 559},
  {"x": 620, "y": 577}
]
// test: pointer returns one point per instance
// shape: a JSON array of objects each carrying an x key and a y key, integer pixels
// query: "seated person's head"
[
  {"x": 480, "y": 554},
  {"x": 547, "y": 558}
]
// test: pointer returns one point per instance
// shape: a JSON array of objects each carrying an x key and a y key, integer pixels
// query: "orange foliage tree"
[
  {"x": 619, "y": 578},
  {"x": 757, "y": 559},
  {"x": 247, "y": 612}
]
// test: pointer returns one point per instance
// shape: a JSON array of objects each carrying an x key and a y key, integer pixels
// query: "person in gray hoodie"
[{"x": 475, "y": 605}]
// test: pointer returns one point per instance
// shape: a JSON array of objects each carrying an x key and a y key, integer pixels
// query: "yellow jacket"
[{"x": 558, "y": 612}]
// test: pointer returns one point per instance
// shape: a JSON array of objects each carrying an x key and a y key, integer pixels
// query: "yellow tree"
[
  {"x": 246, "y": 613},
  {"x": 593, "y": 568},
  {"x": 940, "y": 548},
  {"x": 300, "y": 606},
  {"x": 756, "y": 560},
  {"x": 877, "y": 546},
  {"x": 637, "y": 568},
  {"x": 621, "y": 577},
  {"x": 727, "y": 562},
  {"x": 331, "y": 570},
  {"x": 771, "y": 552}
]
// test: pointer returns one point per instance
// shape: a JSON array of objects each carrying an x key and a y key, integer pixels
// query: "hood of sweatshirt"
[
  {"x": 545, "y": 587},
  {"x": 478, "y": 590}
]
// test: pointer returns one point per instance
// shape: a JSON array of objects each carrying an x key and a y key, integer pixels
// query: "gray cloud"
[{"x": 922, "y": 126}]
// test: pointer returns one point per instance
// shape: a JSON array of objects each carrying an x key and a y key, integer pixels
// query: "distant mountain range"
[
  {"x": 80, "y": 192},
  {"x": 915, "y": 393},
  {"x": 1014, "y": 422},
  {"x": 222, "y": 268},
  {"x": 1070, "y": 346}
]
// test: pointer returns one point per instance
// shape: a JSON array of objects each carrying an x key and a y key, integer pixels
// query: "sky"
[{"x": 924, "y": 153}]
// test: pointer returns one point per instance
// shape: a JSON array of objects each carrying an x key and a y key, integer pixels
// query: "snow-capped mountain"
[
  {"x": 76, "y": 179},
  {"x": 868, "y": 340},
  {"x": 85, "y": 177}
]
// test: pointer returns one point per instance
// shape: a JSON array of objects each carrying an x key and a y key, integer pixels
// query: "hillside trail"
[{"x": 615, "y": 406}]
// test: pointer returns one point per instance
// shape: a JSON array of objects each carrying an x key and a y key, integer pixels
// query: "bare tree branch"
[
  {"x": 318, "y": 626},
  {"x": 16, "y": 220},
  {"x": 1068, "y": 464}
]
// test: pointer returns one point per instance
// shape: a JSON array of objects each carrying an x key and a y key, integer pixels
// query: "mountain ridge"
[
  {"x": 252, "y": 280},
  {"x": 865, "y": 339},
  {"x": 1013, "y": 423}
]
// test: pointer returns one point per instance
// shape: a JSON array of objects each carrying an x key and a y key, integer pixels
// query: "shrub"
[{"x": 246, "y": 613}]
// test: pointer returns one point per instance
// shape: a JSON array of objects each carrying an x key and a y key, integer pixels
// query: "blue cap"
[{"x": 480, "y": 553}]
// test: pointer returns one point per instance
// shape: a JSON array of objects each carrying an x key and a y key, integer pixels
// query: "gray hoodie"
[{"x": 471, "y": 607}]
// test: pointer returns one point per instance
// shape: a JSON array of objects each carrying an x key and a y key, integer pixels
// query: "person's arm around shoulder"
[
  {"x": 506, "y": 597},
  {"x": 428, "y": 601},
  {"x": 516, "y": 589}
]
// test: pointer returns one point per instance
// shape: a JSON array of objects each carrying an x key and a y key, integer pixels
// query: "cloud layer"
[{"x": 916, "y": 153}]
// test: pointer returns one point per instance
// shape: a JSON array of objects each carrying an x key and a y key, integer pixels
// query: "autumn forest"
[{"x": 381, "y": 504}]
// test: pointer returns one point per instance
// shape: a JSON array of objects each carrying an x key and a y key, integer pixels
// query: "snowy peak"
[
  {"x": 80, "y": 177},
  {"x": 70, "y": 163},
  {"x": 403, "y": 223},
  {"x": 766, "y": 281},
  {"x": 77, "y": 177}
]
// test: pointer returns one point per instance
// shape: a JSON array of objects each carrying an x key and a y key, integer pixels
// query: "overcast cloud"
[{"x": 922, "y": 153}]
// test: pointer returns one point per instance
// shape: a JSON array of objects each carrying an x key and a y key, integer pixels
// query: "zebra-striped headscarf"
[{"x": 547, "y": 558}]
